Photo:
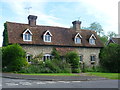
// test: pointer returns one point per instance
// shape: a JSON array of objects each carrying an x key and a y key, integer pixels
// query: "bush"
[
  {"x": 14, "y": 58},
  {"x": 73, "y": 59},
  {"x": 110, "y": 58}
]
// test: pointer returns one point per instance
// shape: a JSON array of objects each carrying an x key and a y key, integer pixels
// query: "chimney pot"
[{"x": 76, "y": 25}]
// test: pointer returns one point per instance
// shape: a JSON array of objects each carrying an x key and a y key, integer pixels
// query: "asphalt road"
[{"x": 21, "y": 83}]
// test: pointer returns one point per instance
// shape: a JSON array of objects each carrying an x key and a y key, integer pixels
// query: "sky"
[{"x": 61, "y": 13}]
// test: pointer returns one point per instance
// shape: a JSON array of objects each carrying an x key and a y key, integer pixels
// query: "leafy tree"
[
  {"x": 104, "y": 39},
  {"x": 14, "y": 58},
  {"x": 55, "y": 54},
  {"x": 73, "y": 59},
  {"x": 5, "y": 35},
  {"x": 111, "y": 34},
  {"x": 110, "y": 58},
  {"x": 96, "y": 27}
]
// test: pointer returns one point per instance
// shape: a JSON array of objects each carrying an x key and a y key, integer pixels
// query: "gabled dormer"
[
  {"x": 27, "y": 35},
  {"x": 47, "y": 36},
  {"x": 92, "y": 39},
  {"x": 78, "y": 39}
]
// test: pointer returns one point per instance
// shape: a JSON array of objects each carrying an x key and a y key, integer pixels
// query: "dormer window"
[
  {"x": 27, "y": 35},
  {"x": 47, "y": 36},
  {"x": 92, "y": 39},
  {"x": 78, "y": 38}
]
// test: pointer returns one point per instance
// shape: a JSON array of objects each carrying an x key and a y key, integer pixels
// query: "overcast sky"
[{"x": 61, "y": 13}]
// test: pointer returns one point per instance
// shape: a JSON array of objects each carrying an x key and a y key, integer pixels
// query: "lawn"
[
  {"x": 51, "y": 74},
  {"x": 106, "y": 75}
]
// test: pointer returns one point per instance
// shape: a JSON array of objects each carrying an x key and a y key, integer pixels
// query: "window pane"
[
  {"x": 92, "y": 58},
  {"x": 78, "y": 40},
  {"x": 25, "y": 36},
  {"x": 28, "y": 36},
  {"x": 48, "y": 37}
]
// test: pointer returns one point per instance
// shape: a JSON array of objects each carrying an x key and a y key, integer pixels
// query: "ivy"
[{"x": 5, "y": 35}]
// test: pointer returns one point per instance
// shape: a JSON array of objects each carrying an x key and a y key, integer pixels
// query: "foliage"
[
  {"x": 110, "y": 58},
  {"x": 73, "y": 59},
  {"x": 5, "y": 35},
  {"x": 37, "y": 59},
  {"x": 104, "y": 39},
  {"x": 96, "y": 27},
  {"x": 111, "y": 34},
  {"x": 56, "y": 54},
  {"x": 47, "y": 67},
  {"x": 14, "y": 58}
]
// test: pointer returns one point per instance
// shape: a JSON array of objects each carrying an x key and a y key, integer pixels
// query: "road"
[{"x": 21, "y": 83}]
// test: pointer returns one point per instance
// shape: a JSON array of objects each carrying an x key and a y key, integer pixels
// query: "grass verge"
[
  {"x": 106, "y": 75},
  {"x": 51, "y": 74}
]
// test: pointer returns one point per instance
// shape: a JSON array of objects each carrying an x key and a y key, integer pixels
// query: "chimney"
[
  {"x": 76, "y": 25},
  {"x": 32, "y": 20}
]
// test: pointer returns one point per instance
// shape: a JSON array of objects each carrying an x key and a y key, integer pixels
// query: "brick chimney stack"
[
  {"x": 32, "y": 20},
  {"x": 76, "y": 25}
]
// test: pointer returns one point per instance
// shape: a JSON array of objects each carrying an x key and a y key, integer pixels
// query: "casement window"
[
  {"x": 92, "y": 39},
  {"x": 92, "y": 58},
  {"x": 78, "y": 38},
  {"x": 47, "y": 37},
  {"x": 28, "y": 57},
  {"x": 81, "y": 58},
  {"x": 27, "y": 35},
  {"x": 47, "y": 57}
]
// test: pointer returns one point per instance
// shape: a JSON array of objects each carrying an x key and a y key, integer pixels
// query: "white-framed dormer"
[
  {"x": 47, "y": 36},
  {"x": 78, "y": 38},
  {"x": 92, "y": 39},
  {"x": 27, "y": 35}
]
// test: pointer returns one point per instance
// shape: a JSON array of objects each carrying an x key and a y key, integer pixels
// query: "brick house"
[{"x": 36, "y": 39}]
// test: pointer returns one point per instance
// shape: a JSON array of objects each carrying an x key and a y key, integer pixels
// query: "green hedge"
[{"x": 13, "y": 58}]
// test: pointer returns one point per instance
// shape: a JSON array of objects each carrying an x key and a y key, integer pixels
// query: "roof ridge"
[{"x": 50, "y": 26}]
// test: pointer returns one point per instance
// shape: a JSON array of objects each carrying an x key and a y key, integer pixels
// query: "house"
[
  {"x": 36, "y": 39},
  {"x": 114, "y": 40}
]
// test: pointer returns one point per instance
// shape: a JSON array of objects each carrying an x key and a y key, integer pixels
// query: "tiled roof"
[
  {"x": 60, "y": 36},
  {"x": 116, "y": 40}
]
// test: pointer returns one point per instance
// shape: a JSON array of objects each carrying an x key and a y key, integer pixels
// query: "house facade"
[{"x": 37, "y": 39}]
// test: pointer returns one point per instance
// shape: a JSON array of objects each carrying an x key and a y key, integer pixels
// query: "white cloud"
[{"x": 104, "y": 11}]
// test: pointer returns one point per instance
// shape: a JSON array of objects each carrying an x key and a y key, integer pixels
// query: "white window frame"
[
  {"x": 78, "y": 36},
  {"x": 47, "y": 57},
  {"x": 25, "y": 33},
  {"x": 92, "y": 39},
  {"x": 47, "y": 38}
]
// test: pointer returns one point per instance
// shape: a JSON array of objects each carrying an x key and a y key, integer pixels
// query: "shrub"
[
  {"x": 14, "y": 58},
  {"x": 110, "y": 58},
  {"x": 56, "y": 54},
  {"x": 73, "y": 59}
]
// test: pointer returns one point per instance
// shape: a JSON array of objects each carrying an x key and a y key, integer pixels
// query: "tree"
[
  {"x": 96, "y": 27},
  {"x": 73, "y": 59},
  {"x": 56, "y": 54},
  {"x": 110, "y": 58},
  {"x": 5, "y": 35},
  {"x": 104, "y": 39},
  {"x": 111, "y": 34},
  {"x": 14, "y": 57}
]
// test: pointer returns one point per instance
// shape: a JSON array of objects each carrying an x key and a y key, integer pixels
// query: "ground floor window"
[
  {"x": 47, "y": 57},
  {"x": 92, "y": 59},
  {"x": 28, "y": 58},
  {"x": 81, "y": 58}
]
